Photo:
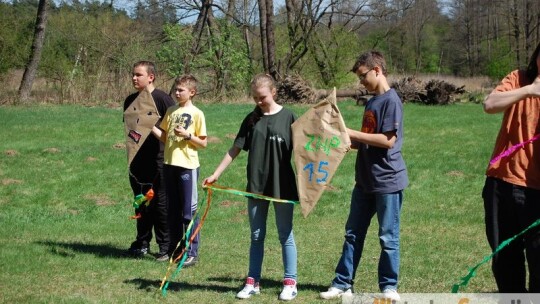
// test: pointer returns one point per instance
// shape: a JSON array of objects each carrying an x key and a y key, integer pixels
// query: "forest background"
[
  {"x": 87, "y": 53},
  {"x": 89, "y": 46}
]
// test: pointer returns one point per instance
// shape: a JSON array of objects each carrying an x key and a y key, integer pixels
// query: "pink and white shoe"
[
  {"x": 289, "y": 291},
  {"x": 251, "y": 288}
]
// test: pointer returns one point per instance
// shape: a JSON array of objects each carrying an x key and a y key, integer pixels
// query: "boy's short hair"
[
  {"x": 150, "y": 66},
  {"x": 370, "y": 60},
  {"x": 188, "y": 81}
]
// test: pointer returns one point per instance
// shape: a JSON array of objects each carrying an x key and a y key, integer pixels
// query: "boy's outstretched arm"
[
  {"x": 381, "y": 140},
  {"x": 497, "y": 102}
]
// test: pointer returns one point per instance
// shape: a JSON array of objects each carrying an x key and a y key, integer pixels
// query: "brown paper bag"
[
  {"x": 320, "y": 142},
  {"x": 139, "y": 119}
]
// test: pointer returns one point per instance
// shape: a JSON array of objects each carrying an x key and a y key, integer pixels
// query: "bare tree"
[
  {"x": 488, "y": 31},
  {"x": 514, "y": 8},
  {"x": 313, "y": 28},
  {"x": 468, "y": 16},
  {"x": 302, "y": 20},
  {"x": 245, "y": 22},
  {"x": 421, "y": 13},
  {"x": 524, "y": 23},
  {"x": 35, "y": 56},
  {"x": 204, "y": 18},
  {"x": 266, "y": 26}
]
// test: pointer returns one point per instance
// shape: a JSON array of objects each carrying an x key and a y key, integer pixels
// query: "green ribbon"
[
  {"x": 472, "y": 271},
  {"x": 249, "y": 194},
  {"x": 182, "y": 260},
  {"x": 187, "y": 243},
  {"x": 187, "y": 236}
]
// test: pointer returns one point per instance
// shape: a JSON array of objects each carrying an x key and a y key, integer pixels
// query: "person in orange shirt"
[{"x": 512, "y": 188}]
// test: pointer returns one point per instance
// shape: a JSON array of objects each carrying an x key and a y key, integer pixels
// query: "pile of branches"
[
  {"x": 294, "y": 89},
  {"x": 409, "y": 88},
  {"x": 434, "y": 92}
]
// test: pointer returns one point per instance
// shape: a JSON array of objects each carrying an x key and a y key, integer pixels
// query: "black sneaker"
[
  {"x": 137, "y": 252},
  {"x": 190, "y": 261}
]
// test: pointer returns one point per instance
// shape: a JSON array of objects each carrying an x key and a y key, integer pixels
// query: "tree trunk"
[
  {"x": 262, "y": 27},
  {"x": 35, "y": 56},
  {"x": 516, "y": 31},
  {"x": 270, "y": 41},
  {"x": 268, "y": 45}
]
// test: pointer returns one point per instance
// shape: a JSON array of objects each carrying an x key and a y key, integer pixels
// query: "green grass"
[{"x": 65, "y": 203}]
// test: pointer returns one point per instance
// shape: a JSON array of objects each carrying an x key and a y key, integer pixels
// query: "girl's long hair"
[{"x": 532, "y": 68}]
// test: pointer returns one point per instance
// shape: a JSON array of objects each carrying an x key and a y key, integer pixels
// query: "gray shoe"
[
  {"x": 190, "y": 261},
  {"x": 162, "y": 257}
]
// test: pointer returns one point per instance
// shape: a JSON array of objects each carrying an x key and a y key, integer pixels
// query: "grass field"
[{"x": 65, "y": 204}]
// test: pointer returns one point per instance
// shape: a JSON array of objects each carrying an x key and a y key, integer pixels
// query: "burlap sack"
[
  {"x": 139, "y": 119},
  {"x": 320, "y": 143}
]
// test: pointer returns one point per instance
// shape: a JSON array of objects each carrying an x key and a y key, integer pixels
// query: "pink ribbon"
[{"x": 513, "y": 148}]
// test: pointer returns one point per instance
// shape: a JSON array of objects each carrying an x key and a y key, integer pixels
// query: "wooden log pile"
[
  {"x": 294, "y": 89},
  {"x": 434, "y": 92}
]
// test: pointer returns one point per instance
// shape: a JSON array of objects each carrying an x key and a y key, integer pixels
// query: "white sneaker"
[
  {"x": 251, "y": 288},
  {"x": 391, "y": 294},
  {"x": 289, "y": 291},
  {"x": 334, "y": 293}
]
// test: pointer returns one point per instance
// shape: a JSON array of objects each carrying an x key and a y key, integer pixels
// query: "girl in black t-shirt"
[{"x": 266, "y": 135}]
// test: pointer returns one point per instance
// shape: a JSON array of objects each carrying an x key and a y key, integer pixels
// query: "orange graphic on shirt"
[{"x": 369, "y": 123}]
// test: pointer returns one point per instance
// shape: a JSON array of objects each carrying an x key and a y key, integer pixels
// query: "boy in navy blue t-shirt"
[{"x": 381, "y": 176}]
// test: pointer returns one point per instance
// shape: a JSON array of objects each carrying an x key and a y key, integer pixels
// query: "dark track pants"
[
  {"x": 509, "y": 209},
  {"x": 182, "y": 198},
  {"x": 153, "y": 216}
]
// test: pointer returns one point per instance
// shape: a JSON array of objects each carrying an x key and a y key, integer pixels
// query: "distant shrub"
[{"x": 475, "y": 97}]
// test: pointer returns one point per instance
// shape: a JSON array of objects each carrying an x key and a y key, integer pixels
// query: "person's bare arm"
[
  {"x": 381, "y": 140},
  {"x": 497, "y": 102},
  {"x": 159, "y": 134},
  {"x": 197, "y": 141}
]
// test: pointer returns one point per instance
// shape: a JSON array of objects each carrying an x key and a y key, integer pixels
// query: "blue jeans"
[
  {"x": 258, "y": 213},
  {"x": 363, "y": 207}
]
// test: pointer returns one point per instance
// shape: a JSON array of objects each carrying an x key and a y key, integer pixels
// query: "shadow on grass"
[
  {"x": 268, "y": 283},
  {"x": 217, "y": 284},
  {"x": 146, "y": 284},
  {"x": 71, "y": 249}
]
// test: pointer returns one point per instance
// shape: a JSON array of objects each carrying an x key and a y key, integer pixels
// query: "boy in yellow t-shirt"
[{"x": 183, "y": 130}]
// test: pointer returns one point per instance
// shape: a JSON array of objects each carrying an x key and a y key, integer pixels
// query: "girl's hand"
[{"x": 209, "y": 180}]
